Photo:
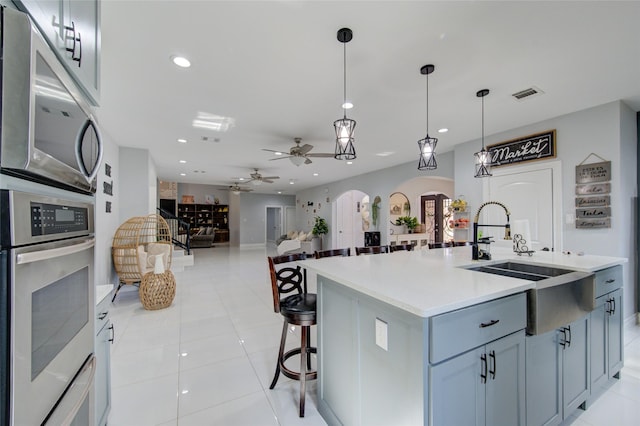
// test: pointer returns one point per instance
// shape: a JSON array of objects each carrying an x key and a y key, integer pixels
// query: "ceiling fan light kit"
[
  {"x": 427, "y": 146},
  {"x": 344, "y": 127},
  {"x": 483, "y": 161}
]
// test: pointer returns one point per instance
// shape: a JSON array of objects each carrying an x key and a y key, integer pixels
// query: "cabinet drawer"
[
  {"x": 102, "y": 313},
  {"x": 608, "y": 280},
  {"x": 458, "y": 331}
]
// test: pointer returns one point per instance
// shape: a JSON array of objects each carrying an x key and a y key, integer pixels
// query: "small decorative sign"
[
  {"x": 530, "y": 148},
  {"x": 598, "y": 201},
  {"x": 593, "y": 213},
  {"x": 593, "y": 189},
  {"x": 594, "y": 172},
  {"x": 107, "y": 207},
  {"x": 593, "y": 223},
  {"x": 107, "y": 170},
  {"x": 107, "y": 188}
]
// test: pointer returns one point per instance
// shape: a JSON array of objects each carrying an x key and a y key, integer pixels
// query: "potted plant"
[
  {"x": 411, "y": 222},
  {"x": 320, "y": 228}
]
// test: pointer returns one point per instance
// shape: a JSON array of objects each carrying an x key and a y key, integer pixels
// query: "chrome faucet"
[{"x": 476, "y": 253}]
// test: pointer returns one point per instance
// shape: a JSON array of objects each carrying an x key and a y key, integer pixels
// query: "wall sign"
[
  {"x": 593, "y": 201},
  {"x": 529, "y": 148}
]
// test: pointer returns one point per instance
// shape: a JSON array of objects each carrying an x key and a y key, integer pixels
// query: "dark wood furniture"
[
  {"x": 372, "y": 250},
  {"x": 399, "y": 247},
  {"x": 207, "y": 216},
  {"x": 440, "y": 245},
  {"x": 334, "y": 252},
  {"x": 290, "y": 298}
]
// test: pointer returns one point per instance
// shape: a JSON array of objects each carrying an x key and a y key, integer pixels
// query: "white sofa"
[{"x": 296, "y": 243}]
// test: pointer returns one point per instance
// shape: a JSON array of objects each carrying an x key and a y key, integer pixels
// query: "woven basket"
[{"x": 157, "y": 290}]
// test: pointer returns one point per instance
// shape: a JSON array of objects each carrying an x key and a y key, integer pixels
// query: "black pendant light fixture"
[
  {"x": 483, "y": 161},
  {"x": 427, "y": 145},
  {"x": 344, "y": 127}
]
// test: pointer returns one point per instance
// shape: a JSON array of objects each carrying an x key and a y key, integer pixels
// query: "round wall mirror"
[{"x": 398, "y": 206}]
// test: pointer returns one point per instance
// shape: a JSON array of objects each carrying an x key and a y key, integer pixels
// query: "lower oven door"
[{"x": 52, "y": 327}]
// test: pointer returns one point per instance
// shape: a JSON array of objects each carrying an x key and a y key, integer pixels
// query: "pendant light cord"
[
  {"x": 344, "y": 69},
  {"x": 483, "y": 123},
  {"x": 427, "y": 104}
]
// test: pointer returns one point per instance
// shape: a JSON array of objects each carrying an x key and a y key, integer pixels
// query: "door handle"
[
  {"x": 568, "y": 328},
  {"x": 492, "y": 370},
  {"x": 483, "y": 369},
  {"x": 563, "y": 340},
  {"x": 613, "y": 309},
  {"x": 489, "y": 324},
  {"x": 113, "y": 333}
]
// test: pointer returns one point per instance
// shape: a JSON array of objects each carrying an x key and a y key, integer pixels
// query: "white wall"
[
  {"x": 252, "y": 215},
  {"x": 607, "y": 130},
  {"x": 137, "y": 171}
]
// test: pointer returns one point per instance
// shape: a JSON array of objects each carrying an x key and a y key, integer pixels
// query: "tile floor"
[{"x": 209, "y": 358}]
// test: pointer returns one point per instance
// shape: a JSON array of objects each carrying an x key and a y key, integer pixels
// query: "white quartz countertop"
[
  {"x": 431, "y": 282},
  {"x": 103, "y": 291}
]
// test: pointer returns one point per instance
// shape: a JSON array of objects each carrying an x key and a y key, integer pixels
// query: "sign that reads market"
[{"x": 530, "y": 148}]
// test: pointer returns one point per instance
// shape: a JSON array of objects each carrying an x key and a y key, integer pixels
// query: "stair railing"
[{"x": 180, "y": 230}]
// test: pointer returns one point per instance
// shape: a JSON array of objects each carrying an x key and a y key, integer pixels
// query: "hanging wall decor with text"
[
  {"x": 536, "y": 147},
  {"x": 593, "y": 202}
]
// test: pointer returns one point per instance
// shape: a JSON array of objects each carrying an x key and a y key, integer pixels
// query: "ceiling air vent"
[{"x": 527, "y": 93}]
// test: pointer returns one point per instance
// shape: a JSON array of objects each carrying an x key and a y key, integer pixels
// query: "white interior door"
[
  {"x": 274, "y": 223},
  {"x": 530, "y": 193},
  {"x": 289, "y": 219},
  {"x": 348, "y": 229}
]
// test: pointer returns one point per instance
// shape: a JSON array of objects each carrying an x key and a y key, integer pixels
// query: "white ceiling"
[{"x": 276, "y": 68}]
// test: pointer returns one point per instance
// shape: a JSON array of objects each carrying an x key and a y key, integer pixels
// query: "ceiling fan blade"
[
  {"x": 267, "y": 180},
  {"x": 305, "y": 148},
  {"x": 320, "y": 155},
  {"x": 308, "y": 161},
  {"x": 270, "y": 177},
  {"x": 271, "y": 150},
  {"x": 281, "y": 157}
]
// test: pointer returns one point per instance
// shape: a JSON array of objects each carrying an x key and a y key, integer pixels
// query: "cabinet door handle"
[
  {"x": 483, "y": 371},
  {"x": 492, "y": 370},
  {"x": 607, "y": 306},
  {"x": 568, "y": 328},
  {"x": 489, "y": 324},
  {"x": 113, "y": 334},
  {"x": 610, "y": 280},
  {"x": 563, "y": 339},
  {"x": 103, "y": 315},
  {"x": 613, "y": 304},
  {"x": 79, "y": 58}
]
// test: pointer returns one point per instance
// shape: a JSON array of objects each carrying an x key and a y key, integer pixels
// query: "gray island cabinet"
[{"x": 416, "y": 338}]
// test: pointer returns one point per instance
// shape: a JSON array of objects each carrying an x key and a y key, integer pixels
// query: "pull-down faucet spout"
[{"x": 475, "y": 252}]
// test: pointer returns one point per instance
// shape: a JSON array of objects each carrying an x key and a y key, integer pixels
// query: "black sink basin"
[{"x": 559, "y": 297}]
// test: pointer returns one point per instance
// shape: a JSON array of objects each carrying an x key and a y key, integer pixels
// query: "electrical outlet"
[{"x": 381, "y": 334}]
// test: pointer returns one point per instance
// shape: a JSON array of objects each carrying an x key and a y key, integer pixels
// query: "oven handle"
[
  {"x": 38, "y": 256},
  {"x": 68, "y": 406}
]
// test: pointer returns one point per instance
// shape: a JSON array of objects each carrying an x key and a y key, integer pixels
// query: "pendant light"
[
  {"x": 427, "y": 145},
  {"x": 483, "y": 160},
  {"x": 344, "y": 127}
]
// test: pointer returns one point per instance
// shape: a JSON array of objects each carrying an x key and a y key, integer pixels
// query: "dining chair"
[
  {"x": 372, "y": 250},
  {"x": 440, "y": 245},
  {"x": 297, "y": 308},
  {"x": 400, "y": 247},
  {"x": 345, "y": 252}
]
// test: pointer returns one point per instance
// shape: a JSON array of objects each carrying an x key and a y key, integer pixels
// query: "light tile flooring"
[{"x": 209, "y": 358}]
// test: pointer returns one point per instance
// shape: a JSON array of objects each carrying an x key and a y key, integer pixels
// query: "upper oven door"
[
  {"x": 52, "y": 327},
  {"x": 49, "y": 130}
]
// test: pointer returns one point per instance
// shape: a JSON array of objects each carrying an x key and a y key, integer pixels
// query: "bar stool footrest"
[{"x": 312, "y": 374}]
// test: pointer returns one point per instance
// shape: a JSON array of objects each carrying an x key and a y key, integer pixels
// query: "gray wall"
[
  {"x": 607, "y": 130},
  {"x": 200, "y": 191},
  {"x": 253, "y": 212},
  {"x": 382, "y": 182}
]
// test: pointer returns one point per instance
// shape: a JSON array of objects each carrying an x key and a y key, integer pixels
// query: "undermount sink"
[{"x": 560, "y": 295}]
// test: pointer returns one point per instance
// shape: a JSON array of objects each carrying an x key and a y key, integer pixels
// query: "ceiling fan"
[
  {"x": 237, "y": 189},
  {"x": 299, "y": 154},
  {"x": 257, "y": 178}
]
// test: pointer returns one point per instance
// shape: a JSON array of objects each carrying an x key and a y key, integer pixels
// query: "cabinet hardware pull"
[
  {"x": 103, "y": 315},
  {"x": 607, "y": 305},
  {"x": 613, "y": 303},
  {"x": 492, "y": 356},
  {"x": 610, "y": 280},
  {"x": 489, "y": 324},
  {"x": 75, "y": 39},
  {"x": 569, "y": 341},
  {"x": 563, "y": 340},
  {"x": 79, "y": 58},
  {"x": 483, "y": 372},
  {"x": 113, "y": 334}
]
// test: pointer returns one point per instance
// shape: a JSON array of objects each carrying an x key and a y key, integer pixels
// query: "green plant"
[
  {"x": 411, "y": 222},
  {"x": 320, "y": 227}
]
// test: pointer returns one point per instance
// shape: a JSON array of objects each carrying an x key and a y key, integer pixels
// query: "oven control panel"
[{"x": 52, "y": 219}]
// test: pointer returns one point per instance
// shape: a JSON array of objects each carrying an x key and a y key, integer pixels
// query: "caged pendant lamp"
[
  {"x": 344, "y": 127},
  {"x": 483, "y": 159},
  {"x": 427, "y": 145}
]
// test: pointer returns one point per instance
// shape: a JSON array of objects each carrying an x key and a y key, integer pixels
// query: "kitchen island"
[{"x": 416, "y": 338}]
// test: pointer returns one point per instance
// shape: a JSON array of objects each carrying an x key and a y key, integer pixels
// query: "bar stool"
[
  {"x": 399, "y": 247},
  {"x": 344, "y": 252},
  {"x": 297, "y": 309}
]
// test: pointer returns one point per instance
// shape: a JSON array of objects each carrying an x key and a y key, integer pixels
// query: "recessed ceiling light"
[
  {"x": 183, "y": 161},
  {"x": 443, "y": 130},
  {"x": 291, "y": 182},
  {"x": 315, "y": 174},
  {"x": 240, "y": 178},
  {"x": 277, "y": 153},
  {"x": 279, "y": 192},
  {"x": 181, "y": 61},
  {"x": 183, "y": 174},
  {"x": 347, "y": 105},
  {"x": 385, "y": 153},
  {"x": 349, "y": 162},
  {"x": 182, "y": 140}
]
